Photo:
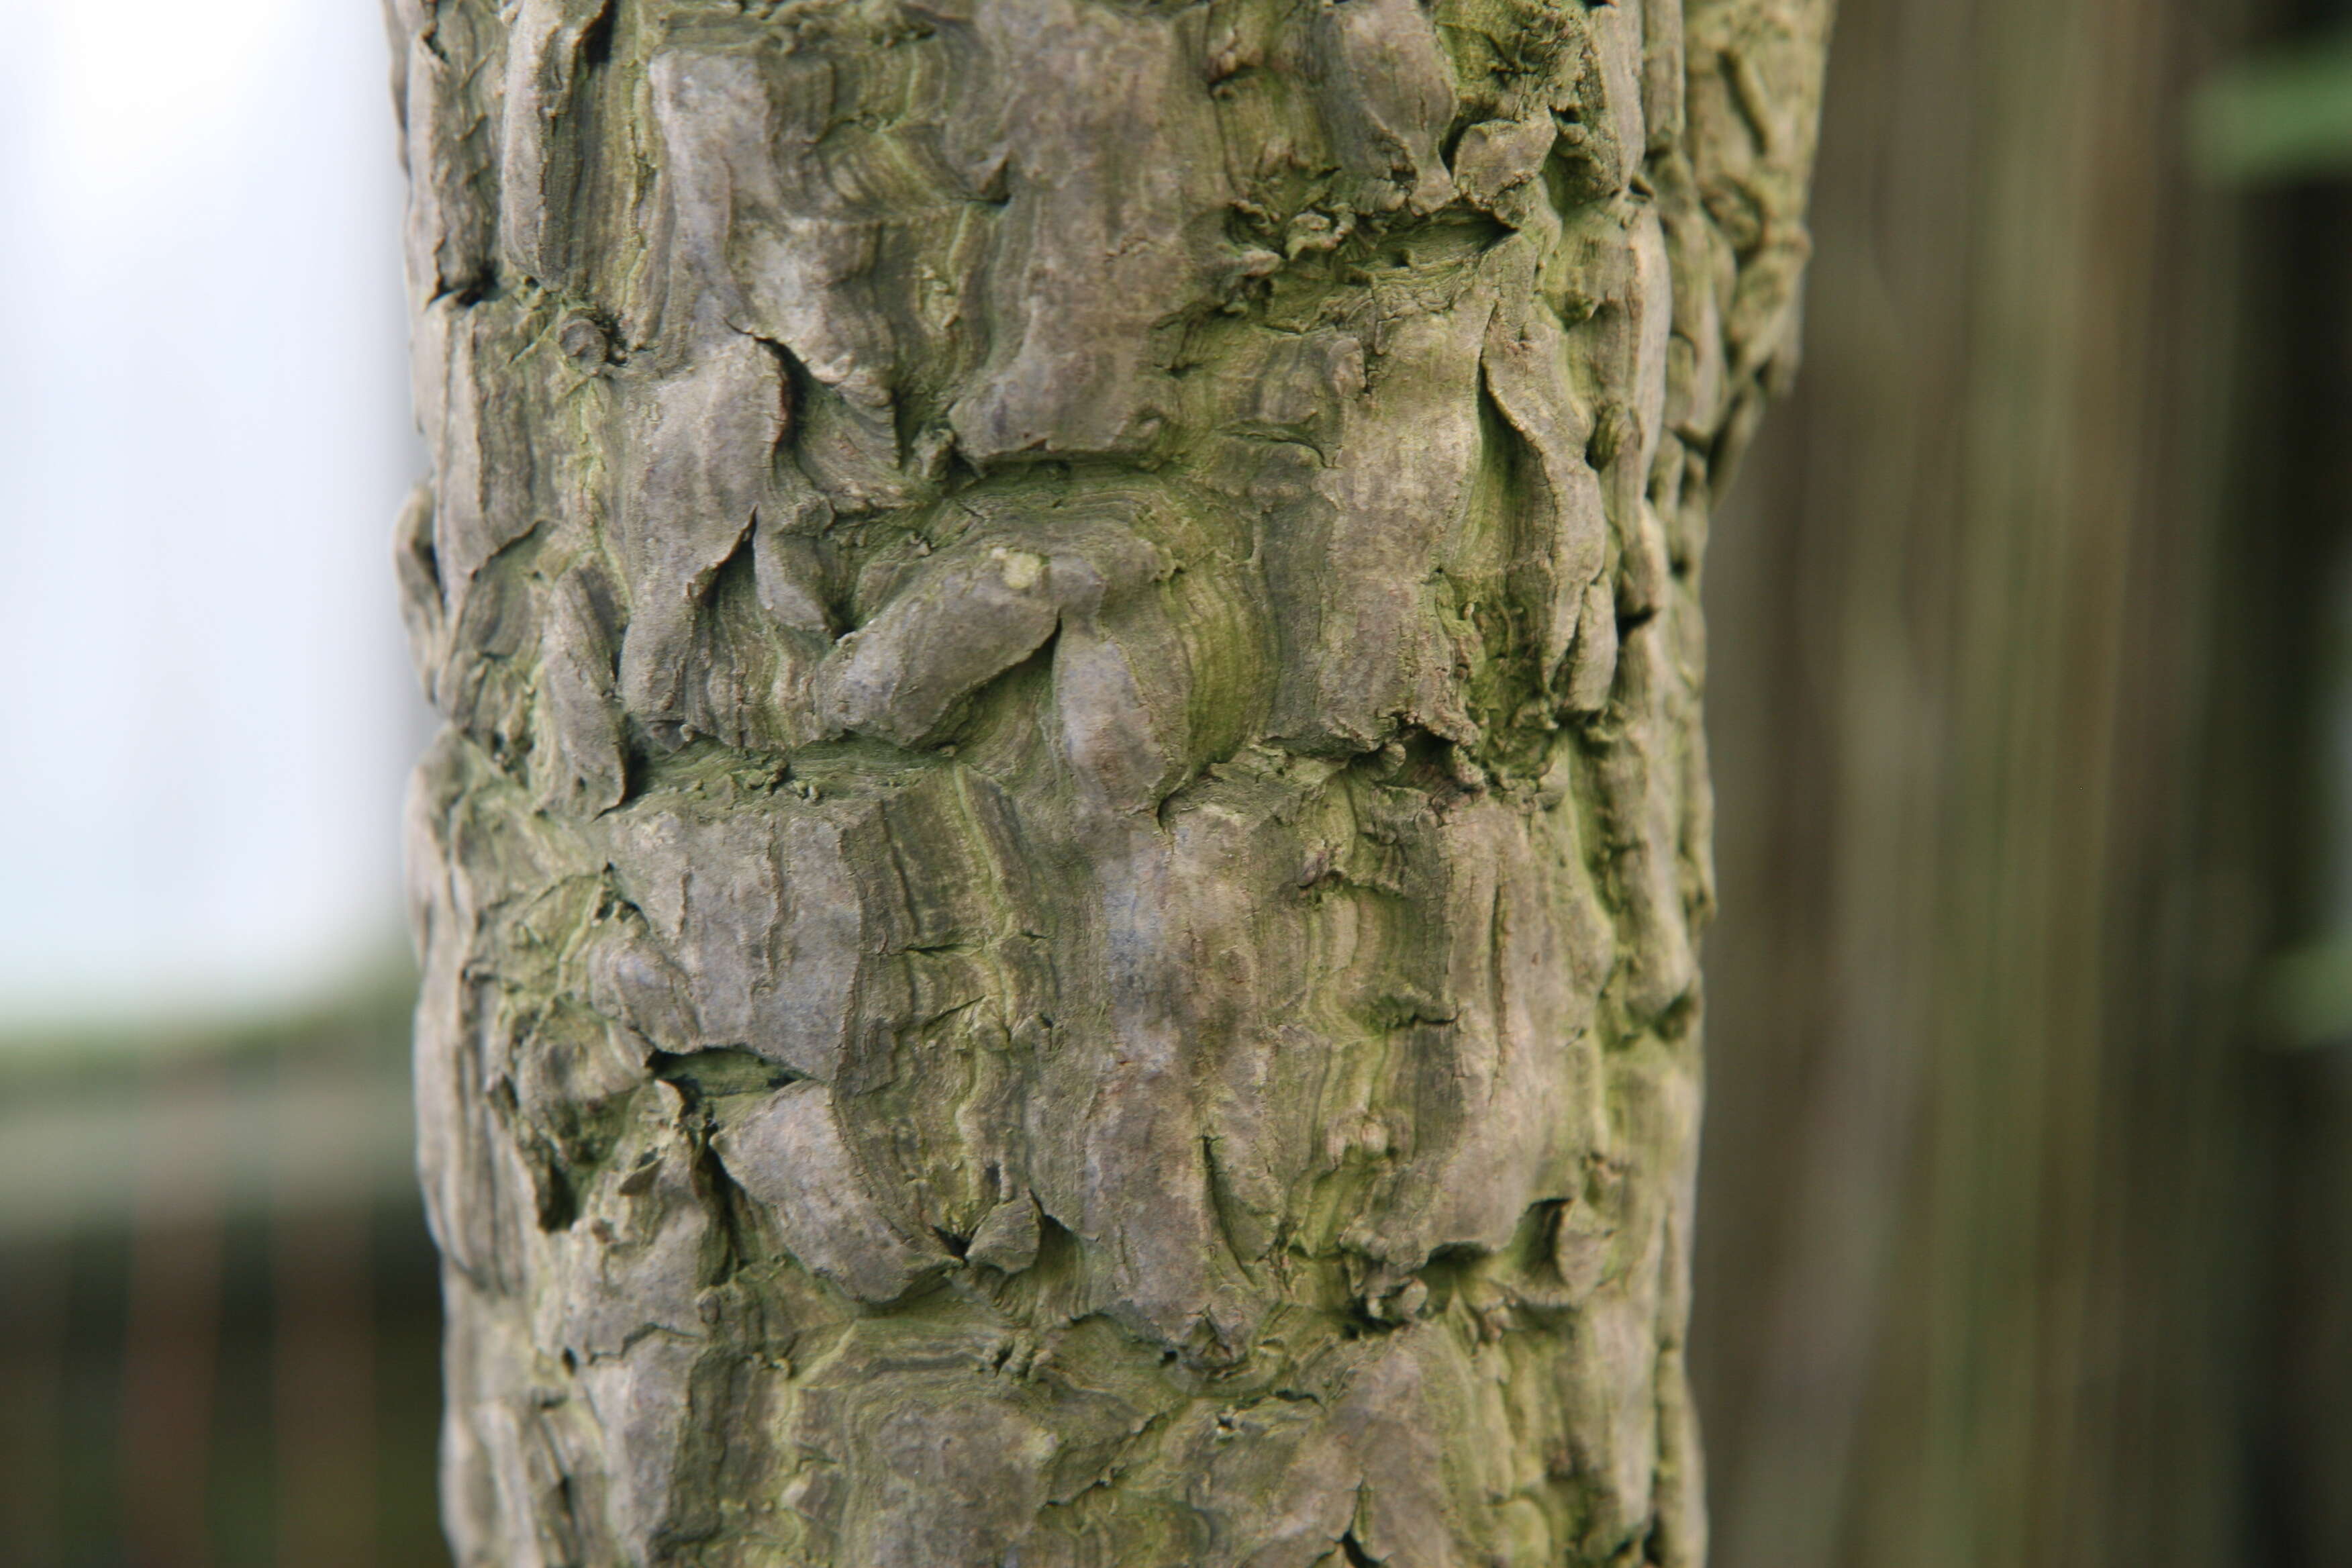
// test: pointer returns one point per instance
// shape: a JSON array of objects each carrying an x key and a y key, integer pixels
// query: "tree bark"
[{"x": 1058, "y": 896}]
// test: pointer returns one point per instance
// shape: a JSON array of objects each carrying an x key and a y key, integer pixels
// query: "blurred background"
[
  {"x": 2026, "y": 1212},
  {"x": 2027, "y": 1206},
  {"x": 218, "y": 1312}
]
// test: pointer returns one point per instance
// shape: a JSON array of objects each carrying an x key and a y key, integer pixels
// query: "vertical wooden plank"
[
  {"x": 171, "y": 1339},
  {"x": 323, "y": 1348}
]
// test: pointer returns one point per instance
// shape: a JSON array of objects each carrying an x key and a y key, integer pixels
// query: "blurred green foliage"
[
  {"x": 2304, "y": 995},
  {"x": 2284, "y": 115}
]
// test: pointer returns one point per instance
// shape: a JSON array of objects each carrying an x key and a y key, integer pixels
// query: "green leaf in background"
[
  {"x": 2304, "y": 996},
  {"x": 2286, "y": 115}
]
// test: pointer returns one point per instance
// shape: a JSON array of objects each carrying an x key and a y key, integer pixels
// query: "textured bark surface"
[{"x": 1058, "y": 896}]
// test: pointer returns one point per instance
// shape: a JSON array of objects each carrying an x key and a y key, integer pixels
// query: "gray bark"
[{"x": 1057, "y": 898}]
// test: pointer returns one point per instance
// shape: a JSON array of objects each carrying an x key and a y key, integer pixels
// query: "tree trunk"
[{"x": 1058, "y": 896}]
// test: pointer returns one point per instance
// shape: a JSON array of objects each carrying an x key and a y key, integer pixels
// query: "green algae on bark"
[{"x": 1059, "y": 893}]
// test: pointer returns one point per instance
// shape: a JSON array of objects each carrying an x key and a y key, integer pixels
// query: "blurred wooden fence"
[
  {"x": 219, "y": 1318},
  {"x": 2022, "y": 1245}
]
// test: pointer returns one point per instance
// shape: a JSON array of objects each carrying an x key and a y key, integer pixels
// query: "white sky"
[{"x": 204, "y": 715}]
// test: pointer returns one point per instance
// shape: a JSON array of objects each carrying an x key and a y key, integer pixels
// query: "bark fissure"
[{"x": 1071, "y": 825}]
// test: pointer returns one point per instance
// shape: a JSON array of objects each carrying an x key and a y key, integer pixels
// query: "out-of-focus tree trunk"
[
  {"x": 1981, "y": 1242},
  {"x": 1059, "y": 895}
]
